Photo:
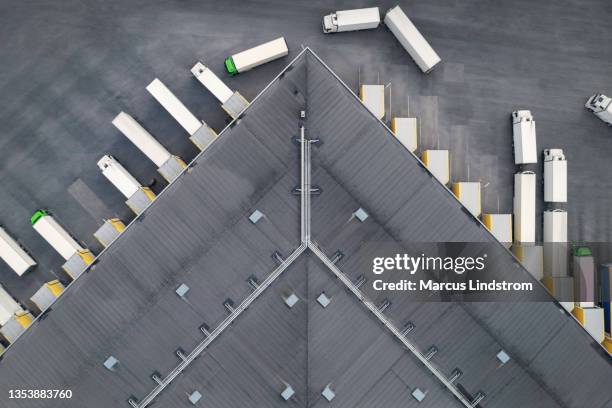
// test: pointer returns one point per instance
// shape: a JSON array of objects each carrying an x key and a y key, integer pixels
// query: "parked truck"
[
  {"x": 174, "y": 106},
  {"x": 169, "y": 166},
  {"x": 200, "y": 133},
  {"x": 77, "y": 257},
  {"x": 524, "y": 206},
  {"x": 118, "y": 175},
  {"x": 351, "y": 20},
  {"x": 524, "y": 137},
  {"x": 55, "y": 234},
  {"x": 14, "y": 255},
  {"x": 256, "y": 56},
  {"x": 411, "y": 39},
  {"x": 601, "y": 106},
  {"x": 232, "y": 102},
  {"x": 138, "y": 197},
  {"x": 555, "y": 243},
  {"x": 584, "y": 278},
  {"x": 555, "y": 176},
  {"x": 605, "y": 295}
]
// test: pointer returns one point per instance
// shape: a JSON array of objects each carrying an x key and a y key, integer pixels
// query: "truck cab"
[
  {"x": 330, "y": 23},
  {"x": 601, "y": 106},
  {"x": 351, "y": 20},
  {"x": 524, "y": 137},
  {"x": 555, "y": 176}
]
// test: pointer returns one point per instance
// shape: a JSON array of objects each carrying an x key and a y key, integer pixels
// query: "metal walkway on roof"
[{"x": 307, "y": 243}]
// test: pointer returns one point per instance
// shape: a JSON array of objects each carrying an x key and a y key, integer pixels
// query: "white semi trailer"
[
  {"x": 232, "y": 102},
  {"x": 524, "y": 137},
  {"x": 351, "y": 20},
  {"x": 555, "y": 176},
  {"x": 169, "y": 166},
  {"x": 555, "y": 243},
  {"x": 601, "y": 106},
  {"x": 256, "y": 56},
  {"x": 200, "y": 133},
  {"x": 77, "y": 257},
  {"x": 555, "y": 225},
  {"x": 138, "y": 197},
  {"x": 411, "y": 39},
  {"x": 14, "y": 255},
  {"x": 524, "y": 206}
]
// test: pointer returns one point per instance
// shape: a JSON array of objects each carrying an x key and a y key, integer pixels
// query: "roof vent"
[
  {"x": 384, "y": 305},
  {"x": 229, "y": 305},
  {"x": 408, "y": 327},
  {"x": 287, "y": 393},
  {"x": 291, "y": 300},
  {"x": 478, "y": 397},
  {"x": 156, "y": 376},
  {"x": 418, "y": 394},
  {"x": 430, "y": 352},
  {"x": 182, "y": 290},
  {"x": 256, "y": 216},
  {"x": 253, "y": 282},
  {"x": 194, "y": 397},
  {"x": 361, "y": 214},
  {"x": 328, "y": 393},
  {"x": 455, "y": 375},
  {"x": 360, "y": 281},
  {"x": 323, "y": 300},
  {"x": 180, "y": 353},
  {"x": 205, "y": 329},
  {"x": 337, "y": 256},
  {"x": 278, "y": 258},
  {"x": 110, "y": 363},
  {"x": 503, "y": 357}
]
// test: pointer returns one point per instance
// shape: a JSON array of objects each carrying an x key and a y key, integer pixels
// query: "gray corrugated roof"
[{"x": 198, "y": 233}]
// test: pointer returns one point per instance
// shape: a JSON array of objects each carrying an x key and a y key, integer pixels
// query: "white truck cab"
[
  {"x": 555, "y": 176},
  {"x": 524, "y": 137},
  {"x": 601, "y": 106},
  {"x": 351, "y": 20}
]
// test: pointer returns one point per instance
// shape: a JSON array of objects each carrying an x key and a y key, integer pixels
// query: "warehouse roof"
[{"x": 198, "y": 234}]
